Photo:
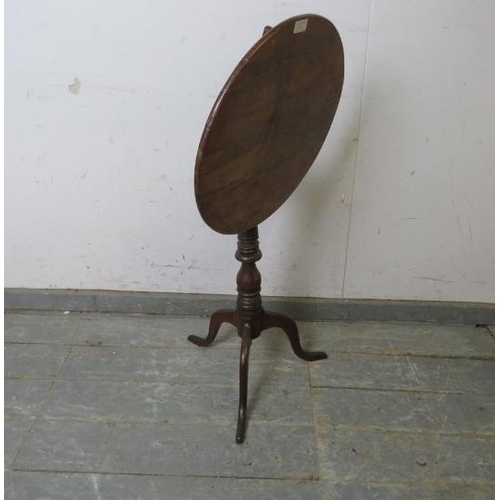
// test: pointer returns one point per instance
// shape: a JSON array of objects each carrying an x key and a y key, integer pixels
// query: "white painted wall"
[{"x": 99, "y": 183}]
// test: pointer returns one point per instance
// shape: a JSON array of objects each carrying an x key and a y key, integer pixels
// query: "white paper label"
[{"x": 300, "y": 26}]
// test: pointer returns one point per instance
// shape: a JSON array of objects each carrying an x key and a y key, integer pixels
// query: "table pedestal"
[{"x": 250, "y": 319}]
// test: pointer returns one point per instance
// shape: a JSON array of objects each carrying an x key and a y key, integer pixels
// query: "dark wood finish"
[
  {"x": 216, "y": 320},
  {"x": 251, "y": 319},
  {"x": 269, "y": 123},
  {"x": 246, "y": 341},
  {"x": 264, "y": 132}
]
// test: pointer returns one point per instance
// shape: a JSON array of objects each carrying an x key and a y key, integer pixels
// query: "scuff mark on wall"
[
  {"x": 74, "y": 87},
  {"x": 470, "y": 232},
  {"x": 432, "y": 279}
]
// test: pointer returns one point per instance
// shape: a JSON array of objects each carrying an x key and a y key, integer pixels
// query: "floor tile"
[
  {"x": 55, "y": 486},
  {"x": 282, "y": 452},
  {"x": 400, "y": 339},
  {"x": 449, "y": 490},
  {"x": 177, "y": 404},
  {"x": 406, "y": 373},
  {"x": 347, "y": 455},
  {"x": 33, "y": 360},
  {"x": 23, "y": 397},
  {"x": 411, "y": 411},
  {"x": 161, "y": 331},
  {"x": 185, "y": 366},
  {"x": 102, "y": 329},
  {"x": 15, "y": 432}
]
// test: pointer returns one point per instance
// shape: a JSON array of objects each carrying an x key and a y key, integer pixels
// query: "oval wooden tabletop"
[{"x": 268, "y": 124}]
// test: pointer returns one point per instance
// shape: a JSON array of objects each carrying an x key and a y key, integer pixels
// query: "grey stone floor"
[{"x": 103, "y": 406}]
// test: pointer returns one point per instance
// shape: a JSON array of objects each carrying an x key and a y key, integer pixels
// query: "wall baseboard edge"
[{"x": 305, "y": 309}]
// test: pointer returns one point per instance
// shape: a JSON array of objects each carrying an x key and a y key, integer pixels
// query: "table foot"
[
  {"x": 216, "y": 320},
  {"x": 288, "y": 325}
]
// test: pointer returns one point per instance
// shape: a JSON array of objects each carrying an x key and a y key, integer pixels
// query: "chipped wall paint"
[
  {"x": 99, "y": 174},
  {"x": 74, "y": 88}
]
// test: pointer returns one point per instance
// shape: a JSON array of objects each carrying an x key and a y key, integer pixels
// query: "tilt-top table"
[{"x": 263, "y": 134}]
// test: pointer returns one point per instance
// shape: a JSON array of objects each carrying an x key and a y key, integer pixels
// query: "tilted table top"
[{"x": 268, "y": 123}]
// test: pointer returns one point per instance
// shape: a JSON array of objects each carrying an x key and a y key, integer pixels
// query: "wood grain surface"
[{"x": 268, "y": 123}]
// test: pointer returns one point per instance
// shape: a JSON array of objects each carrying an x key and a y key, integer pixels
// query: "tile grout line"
[
  {"x": 304, "y": 480},
  {"x": 432, "y": 482},
  {"x": 339, "y": 427},
  {"x": 13, "y": 463},
  {"x": 471, "y": 357},
  {"x": 395, "y": 389}
]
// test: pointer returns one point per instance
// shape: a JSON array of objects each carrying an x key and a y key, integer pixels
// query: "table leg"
[
  {"x": 246, "y": 342},
  {"x": 216, "y": 320},
  {"x": 288, "y": 325}
]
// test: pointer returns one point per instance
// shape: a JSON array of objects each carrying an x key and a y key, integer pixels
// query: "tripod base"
[
  {"x": 249, "y": 329},
  {"x": 250, "y": 319}
]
